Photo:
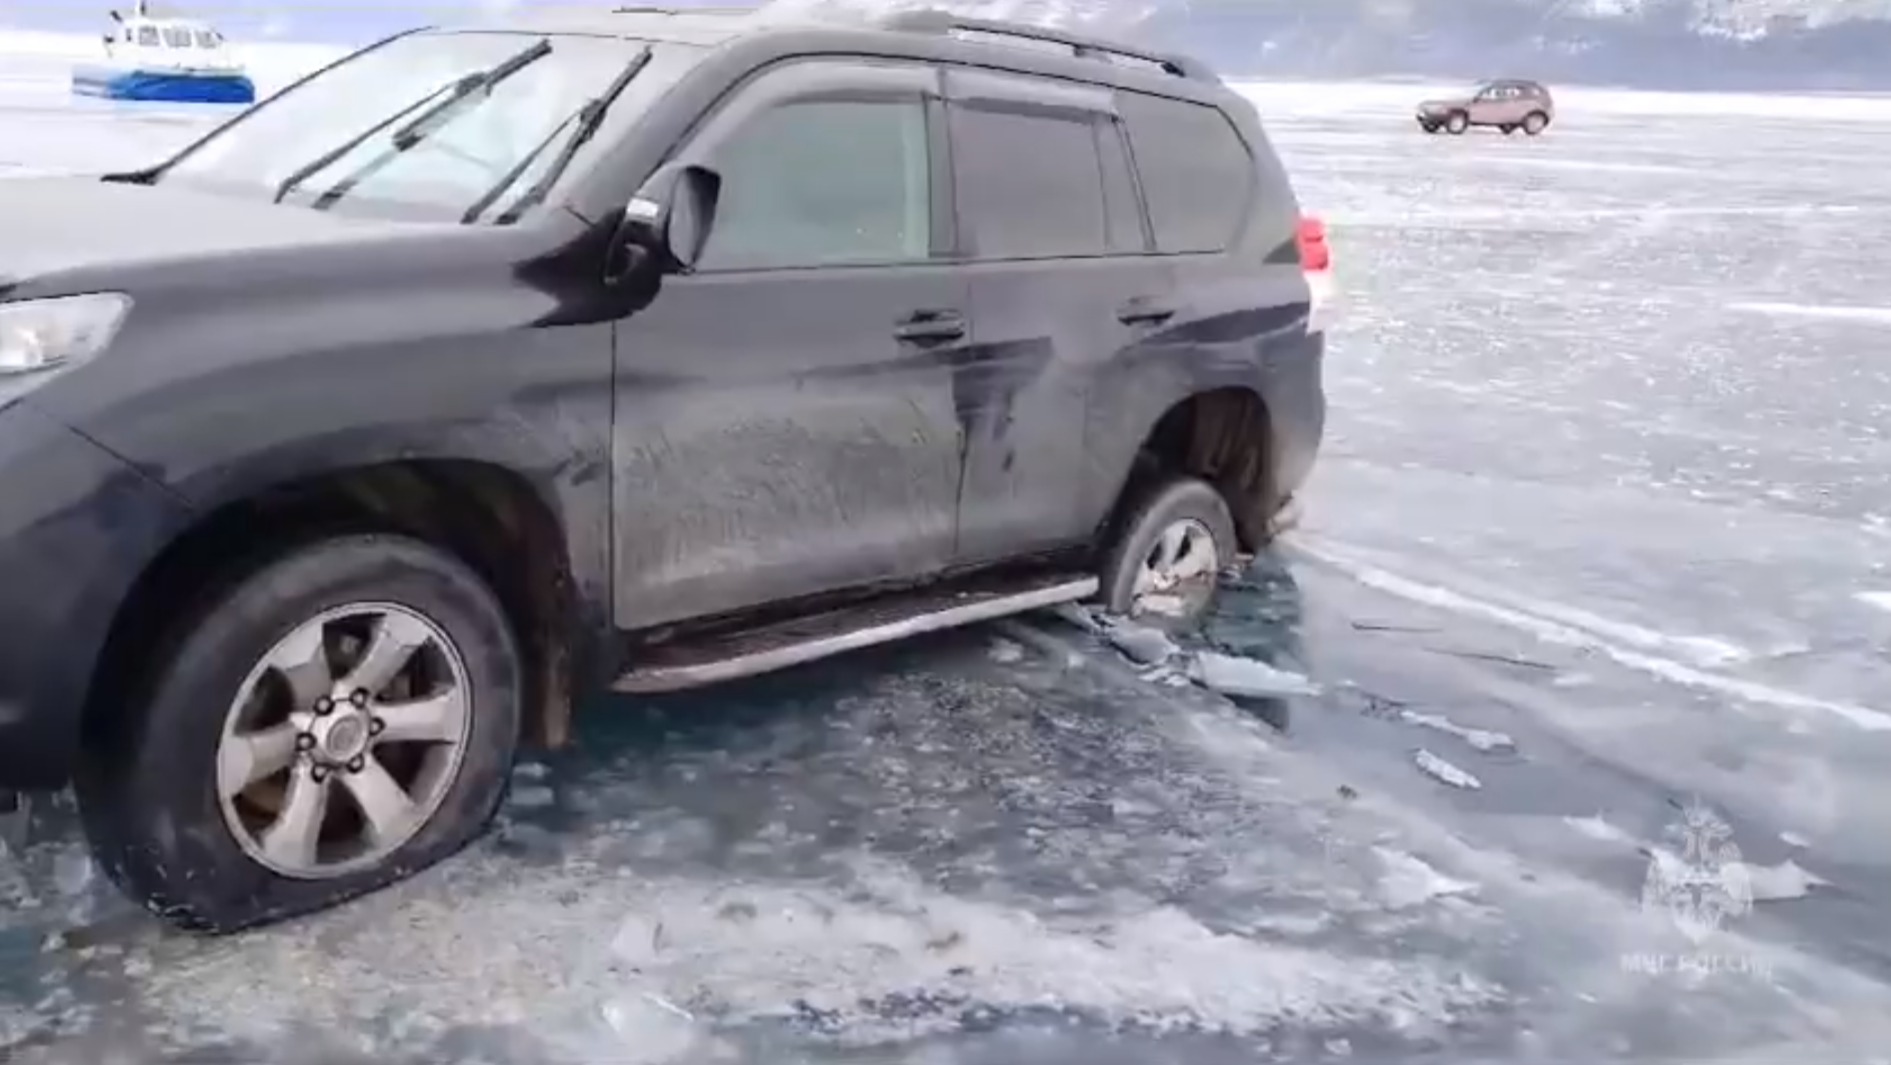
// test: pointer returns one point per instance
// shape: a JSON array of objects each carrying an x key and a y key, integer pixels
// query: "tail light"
[
  {"x": 1315, "y": 255},
  {"x": 1316, "y": 259}
]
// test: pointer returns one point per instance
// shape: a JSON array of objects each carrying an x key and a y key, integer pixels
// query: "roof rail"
[
  {"x": 945, "y": 23},
  {"x": 653, "y": 9}
]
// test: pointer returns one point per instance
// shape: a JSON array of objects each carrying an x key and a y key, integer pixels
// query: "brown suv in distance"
[{"x": 1508, "y": 105}]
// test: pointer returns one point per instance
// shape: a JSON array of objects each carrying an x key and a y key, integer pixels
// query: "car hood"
[
  {"x": 1441, "y": 105},
  {"x": 55, "y": 225}
]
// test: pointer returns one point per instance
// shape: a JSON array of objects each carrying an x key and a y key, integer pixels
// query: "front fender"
[
  {"x": 75, "y": 529},
  {"x": 533, "y": 401}
]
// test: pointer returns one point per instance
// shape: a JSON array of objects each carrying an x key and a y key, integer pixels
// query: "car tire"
[
  {"x": 1430, "y": 127},
  {"x": 1457, "y": 123},
  {"x": 1535, "y": 122},
  {"x": 1180, "y": 535},
  {"x": 160, "y": 801}
]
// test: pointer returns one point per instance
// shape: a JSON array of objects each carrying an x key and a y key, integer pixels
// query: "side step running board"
[{"x": 751, "y": 652}]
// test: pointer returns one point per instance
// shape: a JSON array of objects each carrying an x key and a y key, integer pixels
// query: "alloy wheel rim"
[
  {"x": 1178, "y": 572},
  {"x": 344, "y": 740}
]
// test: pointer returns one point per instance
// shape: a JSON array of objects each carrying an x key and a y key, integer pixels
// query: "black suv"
[{"x": 492, "y": 365}]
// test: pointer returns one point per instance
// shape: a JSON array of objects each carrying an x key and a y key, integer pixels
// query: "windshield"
[{"x": 469, "y": 147}]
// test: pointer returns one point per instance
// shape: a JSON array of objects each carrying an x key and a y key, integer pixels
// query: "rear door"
[
  {"x": 1224, "y": 219},
  {"x": 1061, "y": 288},
  {"x": 785, "y": 419}
]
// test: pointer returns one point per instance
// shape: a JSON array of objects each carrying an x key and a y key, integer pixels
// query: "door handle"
[
  {"x": 931, "y": 327},
  {"x": 1139, "y": 311}
]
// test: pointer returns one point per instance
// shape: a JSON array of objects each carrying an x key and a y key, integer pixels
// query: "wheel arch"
[
  {"x": 1223, "y": 434},
  {"x": 514, "y": 529}
]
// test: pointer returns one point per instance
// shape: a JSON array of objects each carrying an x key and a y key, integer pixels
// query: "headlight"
[{"x": 38, "y": 335}]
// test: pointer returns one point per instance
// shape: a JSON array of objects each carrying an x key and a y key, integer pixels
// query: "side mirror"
[{"x": 671, "y": 216}]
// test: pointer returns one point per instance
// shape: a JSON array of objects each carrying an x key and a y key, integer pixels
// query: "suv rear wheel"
[
  {"x": 339, "y": 719},
  {"x": 1166, "y": 563}
]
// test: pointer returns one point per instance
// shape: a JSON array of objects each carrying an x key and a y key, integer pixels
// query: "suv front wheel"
[{"x": 338, "y": 719}]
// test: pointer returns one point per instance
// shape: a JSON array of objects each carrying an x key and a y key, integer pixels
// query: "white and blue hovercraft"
[{"x": 168, "y": 60}]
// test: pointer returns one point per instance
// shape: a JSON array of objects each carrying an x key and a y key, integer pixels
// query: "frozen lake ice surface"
[{"x": 1602, "y": 527}]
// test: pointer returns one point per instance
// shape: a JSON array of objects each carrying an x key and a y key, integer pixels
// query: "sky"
[{"x": 308, "y": 20}]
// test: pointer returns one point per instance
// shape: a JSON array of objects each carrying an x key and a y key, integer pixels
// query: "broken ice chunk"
[
  {"x": 654, "y": 1028},
  {"x": 1004, "y": 651},
  {"x": 13, "y": 832},
  {"x": 1409, "y": 881},
  {"x": 1480, "y": 739},
  {"x": 1166, "y": 677},
  {"x": 1443, "y": 771},
  {"x": 533, "y": 797},
  {"x": 1141, "y": 644},
  {"x": 73, "y": 871},
  {"x": 1169, "y": 606},
  {"x": 1247, "y": 677},
  {"x": 1078, "y": 615},
  {"x": 1773, "y": 883},
  {"x": 1598, "y": 828}
]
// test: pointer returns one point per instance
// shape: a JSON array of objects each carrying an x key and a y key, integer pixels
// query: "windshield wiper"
[
  {"x": 328, "y": 158},
  {"x": 422, "y": 126},
  {"x": 588, "y": 118},
  {"x": 413, "y": 132}
]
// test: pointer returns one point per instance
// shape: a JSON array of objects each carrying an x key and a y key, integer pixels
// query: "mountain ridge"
[{"x": 1831, "y": 45}]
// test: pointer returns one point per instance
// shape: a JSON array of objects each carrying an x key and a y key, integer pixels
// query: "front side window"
[
  {"x": 467, "y": 150},
  {"x": 823, "y": 183}
]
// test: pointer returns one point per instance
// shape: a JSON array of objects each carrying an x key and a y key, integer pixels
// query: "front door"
[{"x": 785, "y": 422}]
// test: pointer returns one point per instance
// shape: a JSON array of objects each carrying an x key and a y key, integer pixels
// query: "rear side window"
[
  {"x": 1028, "y": 186},
  {"x": 825, "y": 183},
  {"x": 1197, "y": 175}
]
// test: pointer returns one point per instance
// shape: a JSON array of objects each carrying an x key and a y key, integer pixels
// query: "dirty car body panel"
[{"x": 776, "y": 435}]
